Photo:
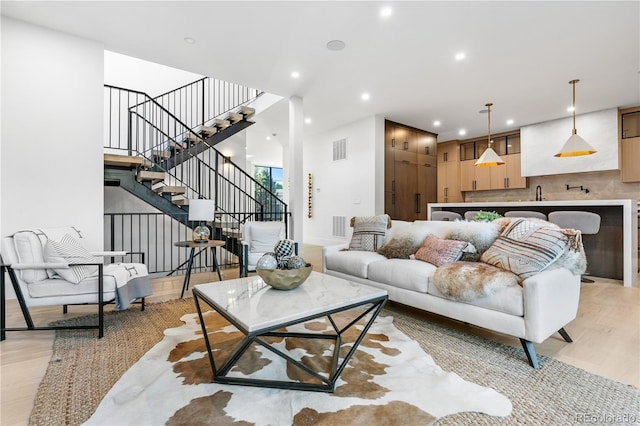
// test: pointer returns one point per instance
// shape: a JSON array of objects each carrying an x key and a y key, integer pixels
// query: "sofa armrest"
[
  {"x": 551, "y": 301},
  {"x": 327, "y": 250}
]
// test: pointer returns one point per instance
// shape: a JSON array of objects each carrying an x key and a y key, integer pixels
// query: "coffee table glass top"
[{"x": 255, "y": 306}]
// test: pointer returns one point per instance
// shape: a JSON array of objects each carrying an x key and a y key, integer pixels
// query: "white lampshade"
[
  {"x": 489, "y": 158},
  {"x": 575, "y": 146},
  {"x": 202, "y": 210}
]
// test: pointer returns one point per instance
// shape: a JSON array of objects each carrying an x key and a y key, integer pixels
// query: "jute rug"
[{"x": 83, "y": 369}]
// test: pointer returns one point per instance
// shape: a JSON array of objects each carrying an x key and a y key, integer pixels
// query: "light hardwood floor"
[{"x": 606, "y": 337}]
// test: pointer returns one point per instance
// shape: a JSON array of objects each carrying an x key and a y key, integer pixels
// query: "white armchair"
[
  {"x": 51, "y": 267},
  {"x": 259, "y": 238}
]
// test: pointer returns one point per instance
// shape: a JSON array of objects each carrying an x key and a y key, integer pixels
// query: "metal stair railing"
[{"x": 151, "y": 127}]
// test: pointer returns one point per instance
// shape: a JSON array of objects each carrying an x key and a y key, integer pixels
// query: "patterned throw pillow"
[
  {"x": 369, "y": 232},
  {"x": 526, "y": 248},
  {"x": 437, "y": 251},
  {"x": 398, "y": 248},
  {"x": 68, "y": 250}
]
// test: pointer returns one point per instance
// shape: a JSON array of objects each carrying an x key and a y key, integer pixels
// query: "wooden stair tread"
[
  {"x": 176, "y": 145},
  {"x": 149, "y": 175},
  {"x": 125, "y": 161},
  {"x": 234, "y": 117},
  {"x": 179, "y": 200},
  {"x": 160, "y": 154},
  {"x": 221, "y": 124},
  {"x": 246, "y": 111},
  {"x": 192, "y": 138},
  {"x": 173, "y": 190},
  {"x": 208, "y": 130}
]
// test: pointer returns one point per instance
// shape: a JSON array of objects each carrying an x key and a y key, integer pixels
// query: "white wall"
[
  {"x": 52, "y": 101},
  {"x": 137, "y": 74},
  {"x": 539, "y": 143},
  {"x": 346, "y": 187}
]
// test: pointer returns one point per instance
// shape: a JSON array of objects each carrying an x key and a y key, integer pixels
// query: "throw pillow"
[
  {"x": 465, "y": 281},
  {"x": 398, "y": 248},
  {"x": 437, "y": 251},
  {"x": 479, "y": 234},
  {"x": 68, "y": 250},
  {"x": 369, "y": 232},
  {"x": 526, "y": 248}
]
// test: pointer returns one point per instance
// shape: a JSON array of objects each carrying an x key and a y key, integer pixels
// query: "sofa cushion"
[
  {"x": 437, "y": 251},
  {"x": 53, "y": 287},
  {"x": 262, "y": 238},
  {"x": 403, "y": 273},
  {"x": 369, "y": 232},
  {"x": 29, "y": 250},
  {"x": 68, "y": 250},
  {"x": 526, "y": 248},
  {"x": 354, "y": 263},
  {"x": 407, "y": 239}
]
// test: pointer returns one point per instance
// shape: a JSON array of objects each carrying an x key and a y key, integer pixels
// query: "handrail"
[{"x": 150, "y": 126}]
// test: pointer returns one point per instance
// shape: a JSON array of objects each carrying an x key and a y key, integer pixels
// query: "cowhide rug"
[{"x": 390, "y": 380}]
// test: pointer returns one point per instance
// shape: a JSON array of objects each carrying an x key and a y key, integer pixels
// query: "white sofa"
[{"x": 542, "y": 305}]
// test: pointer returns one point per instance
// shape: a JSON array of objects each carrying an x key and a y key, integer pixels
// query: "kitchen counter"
[{"x": 611, "y": 253}]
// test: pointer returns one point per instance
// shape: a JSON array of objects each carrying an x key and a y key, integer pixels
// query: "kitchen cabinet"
[
  {"x": 629, "y": 144},
  {"x": 410, "y": 171},
  {"x": 448, "y": 174}
]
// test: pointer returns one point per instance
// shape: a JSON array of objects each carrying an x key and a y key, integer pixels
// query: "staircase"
[{"x": 151, "y": 153}]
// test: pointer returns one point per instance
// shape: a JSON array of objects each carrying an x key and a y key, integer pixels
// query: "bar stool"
[
  {"x": 469, "y": 215},
  {"x": 586, "y": 222},
  {"x": 526, "y": 213},
  {"x": 445, "y": 215}
]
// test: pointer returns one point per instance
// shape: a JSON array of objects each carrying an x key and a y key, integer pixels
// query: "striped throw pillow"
[
  {"x": 68, "y": 250},
  {"x": 526, "y": 248}
]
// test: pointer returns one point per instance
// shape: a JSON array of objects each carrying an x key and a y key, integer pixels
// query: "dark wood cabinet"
[{"x": 410, "y": 171}]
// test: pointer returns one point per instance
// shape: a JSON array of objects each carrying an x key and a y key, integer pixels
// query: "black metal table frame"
[
  {"x": 328, "y": 383},
  {"x": 187, "y": 275}
]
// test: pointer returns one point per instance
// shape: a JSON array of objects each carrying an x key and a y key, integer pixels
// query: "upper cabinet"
[
  {"x": 506, "y": 176},
  {"x": 629, "y": 137}
]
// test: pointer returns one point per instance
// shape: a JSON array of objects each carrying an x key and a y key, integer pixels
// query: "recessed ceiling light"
[
  {"x": 268, "y": 138},
  {"x": 462, "y": 132},
  {"x": 336, "y": 45},
  {"x": 385, "y": 12},
  {"x": 570, "y": 109},
  {"x": 460, "y": 56},
  {"x": 189, "y": 40},
  {"x": 365, "y": 96},
  {"x": 307, "y": 120},
  {"x": 436, "y": 123},
  {"x": 510, "y": 122},
  {"x": 295, "y": 74}
]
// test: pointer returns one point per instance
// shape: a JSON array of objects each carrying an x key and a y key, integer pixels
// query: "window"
[{"x": 271, "y": 179}]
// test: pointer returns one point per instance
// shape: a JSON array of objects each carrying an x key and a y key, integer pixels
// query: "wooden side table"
[{"x": 193, "y": 245}]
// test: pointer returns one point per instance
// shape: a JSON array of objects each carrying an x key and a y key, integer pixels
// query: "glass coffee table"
[{"x": 262, "y": 313}]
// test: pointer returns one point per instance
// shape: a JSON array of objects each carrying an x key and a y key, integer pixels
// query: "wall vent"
[
  {"x": 340, "y": 149},
  {"x": 339, "y": 226}
]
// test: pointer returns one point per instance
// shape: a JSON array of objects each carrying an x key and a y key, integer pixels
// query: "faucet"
[{"x": 538, "y": 193}]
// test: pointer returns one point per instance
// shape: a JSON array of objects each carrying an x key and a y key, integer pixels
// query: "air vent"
[
  {"x": 339, "y": 226},
  {"x": 340, "y": 149}
]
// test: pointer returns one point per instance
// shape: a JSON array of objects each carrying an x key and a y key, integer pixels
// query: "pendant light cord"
[{"x": 573, "y": 83}]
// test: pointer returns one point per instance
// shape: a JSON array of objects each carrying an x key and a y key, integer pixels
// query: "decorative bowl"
[{"x": 285, "y": 279}]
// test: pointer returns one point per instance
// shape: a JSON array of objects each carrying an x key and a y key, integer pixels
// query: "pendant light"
[
  {"x": 489, "y": 157},
  {"x": 575, "y": 145}
]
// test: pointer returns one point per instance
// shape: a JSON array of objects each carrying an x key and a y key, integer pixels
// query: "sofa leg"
[
  {"x": 565, "y": 335},
  {"x": 142, "y": 303},
  {"x": 530, "y": 352},
  {"x": 64, "y": 309}
]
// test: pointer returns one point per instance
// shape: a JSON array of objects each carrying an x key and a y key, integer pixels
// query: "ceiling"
[{"x": 519, "y": 55}]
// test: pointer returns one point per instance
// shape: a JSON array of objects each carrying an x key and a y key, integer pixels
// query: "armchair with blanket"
[{"x": 51, "y": 267}]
